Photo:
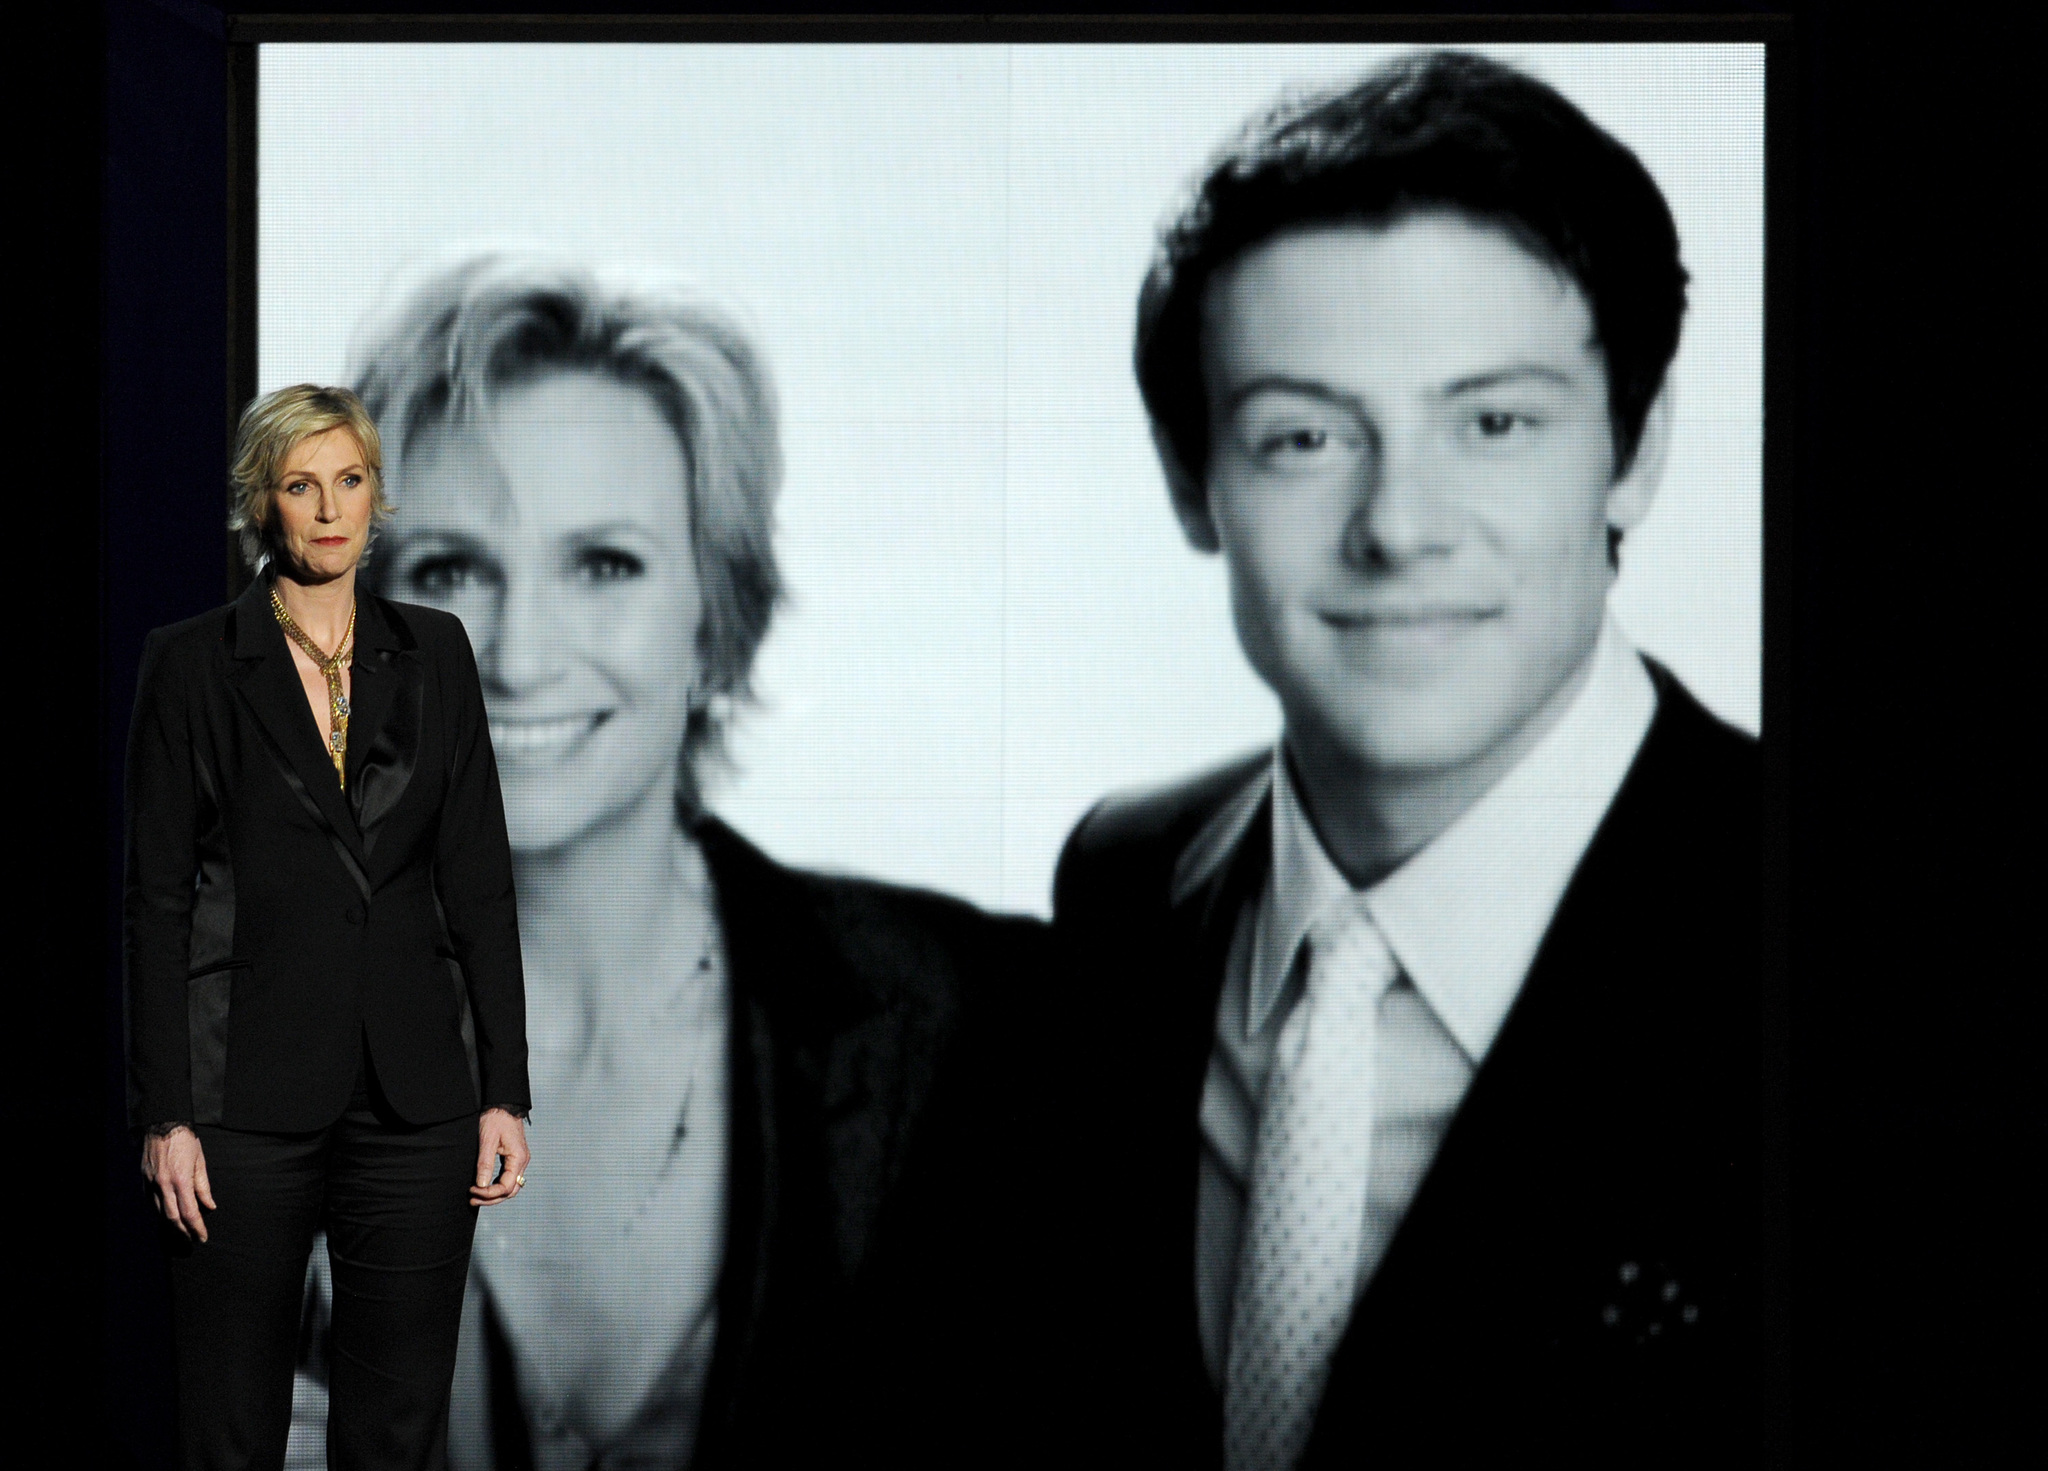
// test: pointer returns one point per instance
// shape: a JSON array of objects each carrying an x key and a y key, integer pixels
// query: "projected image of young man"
[{"x": 1425, "y": 1036}]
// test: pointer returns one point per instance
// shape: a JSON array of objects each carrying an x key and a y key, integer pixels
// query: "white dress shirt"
[{"x": 1464, "y": 917}]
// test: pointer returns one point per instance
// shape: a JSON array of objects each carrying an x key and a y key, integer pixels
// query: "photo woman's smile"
[{"x": 538, "y": 738}]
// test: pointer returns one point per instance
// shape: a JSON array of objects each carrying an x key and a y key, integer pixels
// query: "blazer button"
[{"x": 353, "y": 914}]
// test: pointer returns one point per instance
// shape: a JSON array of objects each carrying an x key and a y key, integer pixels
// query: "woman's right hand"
[{"x": 175, "y": 1167}]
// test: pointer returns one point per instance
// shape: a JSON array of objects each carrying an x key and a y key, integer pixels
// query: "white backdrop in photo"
[{"x": 994, "y": 619}]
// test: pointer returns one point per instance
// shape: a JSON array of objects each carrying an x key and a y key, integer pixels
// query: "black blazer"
[
  {"x": 867, "y": 1303},
  {"x": 1608, "y": 1145},
  {"x": 274, "y": 924}
]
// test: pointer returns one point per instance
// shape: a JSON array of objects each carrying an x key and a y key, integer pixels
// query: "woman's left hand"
[{"x": 500, "y": 1135}]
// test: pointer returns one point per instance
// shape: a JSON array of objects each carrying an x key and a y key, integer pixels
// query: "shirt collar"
[{"x": 1465, "y": 915}]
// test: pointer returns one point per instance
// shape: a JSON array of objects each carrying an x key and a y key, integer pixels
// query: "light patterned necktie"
[{"x": 1298, "y": 1266}]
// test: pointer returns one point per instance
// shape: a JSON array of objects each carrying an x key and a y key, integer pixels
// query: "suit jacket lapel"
[
  {"x": 1221, "y": 871},
  {"x": 265, "y": 679},
  {"x": 388, "y": 692},
  {"x": 809, "y": 1125},
  {"x": 1218, "y": 876}
]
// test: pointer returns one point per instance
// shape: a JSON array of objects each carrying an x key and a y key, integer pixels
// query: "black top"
[
  {"x": 871, "y": 1301},
  {"x": 1608, "y": 1146},
  {"x": 879, "y": 1132},
  {"x": 275, "y": 924}
]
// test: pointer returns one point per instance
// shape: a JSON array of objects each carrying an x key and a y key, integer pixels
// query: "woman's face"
[
  {"x": 321, "y": 507},
  {"x": 559, "y": 532}
]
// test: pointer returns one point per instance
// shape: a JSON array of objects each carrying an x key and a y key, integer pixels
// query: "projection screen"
[{"x": 991, "y": 615}]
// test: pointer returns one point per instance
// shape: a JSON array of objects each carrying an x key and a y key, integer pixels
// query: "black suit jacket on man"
[
  {"x": 274, "y": 922},
  {"x": 1575, "y": 1278}
]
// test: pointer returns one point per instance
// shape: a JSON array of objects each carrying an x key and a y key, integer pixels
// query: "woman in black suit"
[
  {"x": 765, "y": 1090},
  {"x": 320, "y": 913}
]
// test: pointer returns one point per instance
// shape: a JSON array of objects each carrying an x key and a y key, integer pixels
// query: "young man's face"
[{"x": 1411, "y": 476}]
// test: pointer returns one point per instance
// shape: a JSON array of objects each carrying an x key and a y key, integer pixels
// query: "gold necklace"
[{"x": 330, "y": 665}]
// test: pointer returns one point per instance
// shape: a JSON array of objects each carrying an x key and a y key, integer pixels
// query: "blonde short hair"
[
  {"x": 272, "y": 427},
  {"x": 467, "y": 326}
]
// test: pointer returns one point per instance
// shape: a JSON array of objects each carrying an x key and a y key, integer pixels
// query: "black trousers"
[{"x": 394, "y": 1201}]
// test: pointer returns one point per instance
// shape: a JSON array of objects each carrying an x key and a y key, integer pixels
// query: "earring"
[{"x": 714, "y": 708}]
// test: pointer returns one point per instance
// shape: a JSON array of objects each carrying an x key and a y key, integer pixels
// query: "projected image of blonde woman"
[{"x": 583, "y": 468}]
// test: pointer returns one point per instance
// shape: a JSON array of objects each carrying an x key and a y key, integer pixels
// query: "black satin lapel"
[
  {"x": 321, "y": 800},
  {"x": 387, "y": 713},
  {"x": 271, "y": 689}
]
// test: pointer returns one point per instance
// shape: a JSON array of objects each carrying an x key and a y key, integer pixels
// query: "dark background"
[{"x": 1903, "y": 468}]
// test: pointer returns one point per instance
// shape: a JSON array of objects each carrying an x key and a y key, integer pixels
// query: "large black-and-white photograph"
[{"x": 1125, "y": 681}]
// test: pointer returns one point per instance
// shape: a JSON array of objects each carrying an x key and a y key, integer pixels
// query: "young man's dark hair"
[{"x": 1439, "y": 130}]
